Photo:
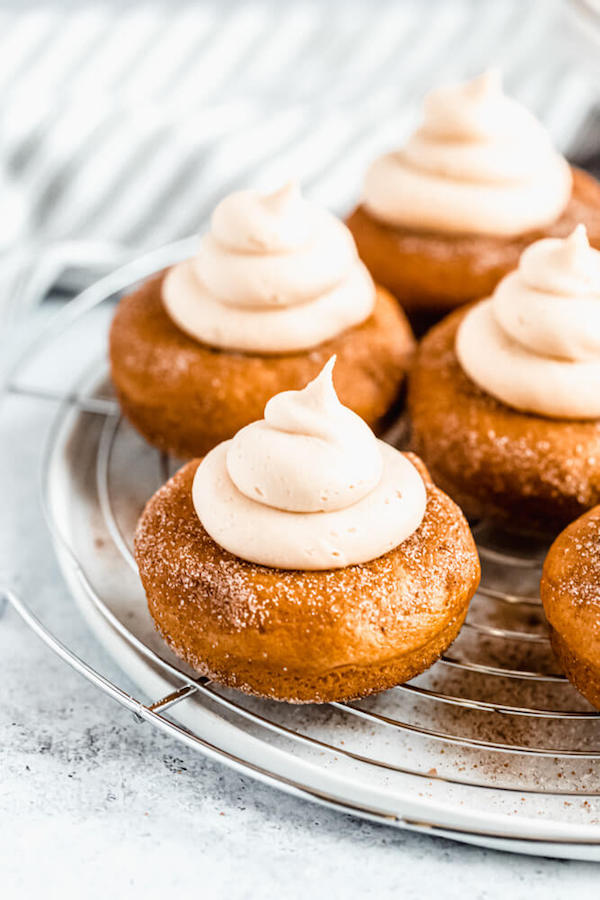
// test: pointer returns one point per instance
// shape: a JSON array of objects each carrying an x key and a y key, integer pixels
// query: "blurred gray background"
[{"x": 122, "y": 123}]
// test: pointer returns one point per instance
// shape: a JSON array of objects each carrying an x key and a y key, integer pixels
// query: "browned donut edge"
[
  {"x": 431, "y": 272},
  {"x": 185, "y": 397},
  {"x": 529, "y": 472},
  {"x": 570, "y": 592},
  {"x": 305, "y": 637},
  {"x": 583, "y": 676}
]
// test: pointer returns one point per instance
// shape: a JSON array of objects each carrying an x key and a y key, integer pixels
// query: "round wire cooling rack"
[{"x": 492, "y": 745}]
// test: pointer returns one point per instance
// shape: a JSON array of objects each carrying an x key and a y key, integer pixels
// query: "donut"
[
  {"x": 526, "y": 471},
  {"x": 431, "y": 273},
  {"x": 185, "y": 397},
  {"x": 570, "y": 592},
  {"x": 305, "y": 636}
]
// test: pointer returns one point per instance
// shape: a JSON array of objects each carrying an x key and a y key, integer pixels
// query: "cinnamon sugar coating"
[
  {"x": 431, "y": 273},
  {"x": 305, "y": 637},
  {"x": 570, "y": 592},
  {"x": 530, "y": 472},
  {"x": 185, "y": 397}
]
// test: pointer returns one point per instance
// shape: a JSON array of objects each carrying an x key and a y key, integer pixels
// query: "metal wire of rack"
[{"x": 462, "y": 683}]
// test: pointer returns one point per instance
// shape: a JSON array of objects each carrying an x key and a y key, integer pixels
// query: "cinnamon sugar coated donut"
[
  {"x": 430, "y": 272},
  {"x": 526, "y": 470},
  {"x": 305, "y": 636},
  {"x": 570, "y": 592},
  {"x": 185, "y": 397}
]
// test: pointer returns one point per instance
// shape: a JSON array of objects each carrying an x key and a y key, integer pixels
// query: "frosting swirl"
[
  {"x": 535, "y": 344},
  {"x": 274, "y": 274},
  {"x": 309, "y": 486},
  {"x": 480, "y": 163}
]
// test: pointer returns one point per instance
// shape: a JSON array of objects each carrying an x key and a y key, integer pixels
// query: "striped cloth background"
[{"x": 125, "y": 122}]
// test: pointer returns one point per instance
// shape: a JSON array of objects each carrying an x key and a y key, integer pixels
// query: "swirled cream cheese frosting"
[
  {"x": 275, "y": 274},
  {"x": 480, "y": 163},
  {"x": 309, "y": 486},
  {"x": 535, "y": 344}
]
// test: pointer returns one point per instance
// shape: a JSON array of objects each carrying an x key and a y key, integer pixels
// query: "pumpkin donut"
[
  {"x": 446, "y": 217},
  {"x": 185, "y": 397},
  {"x": 276, "y": 288},
  {"x": 335, "y": 629},
  {"x": 512, "y": 434},
  {"x": 431, "y": 273},
  {"x": 570, "y": 592}
]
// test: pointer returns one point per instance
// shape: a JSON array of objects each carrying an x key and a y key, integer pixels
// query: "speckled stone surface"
[{"x": 95, "y": 804}]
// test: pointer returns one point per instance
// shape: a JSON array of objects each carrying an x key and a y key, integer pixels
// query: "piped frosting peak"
[
  {"x": 479, "y": 163},
  {"x": 535, "y": 344},
  {"x": 309, "y": 486},
  {"x": 274, "y": 274},
  {"x": 267, "y": 459}
]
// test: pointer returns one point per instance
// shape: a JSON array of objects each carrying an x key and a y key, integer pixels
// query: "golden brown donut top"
[
  {"x": 355, "y": 615},
  {"x": 570, "y": 586}
]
